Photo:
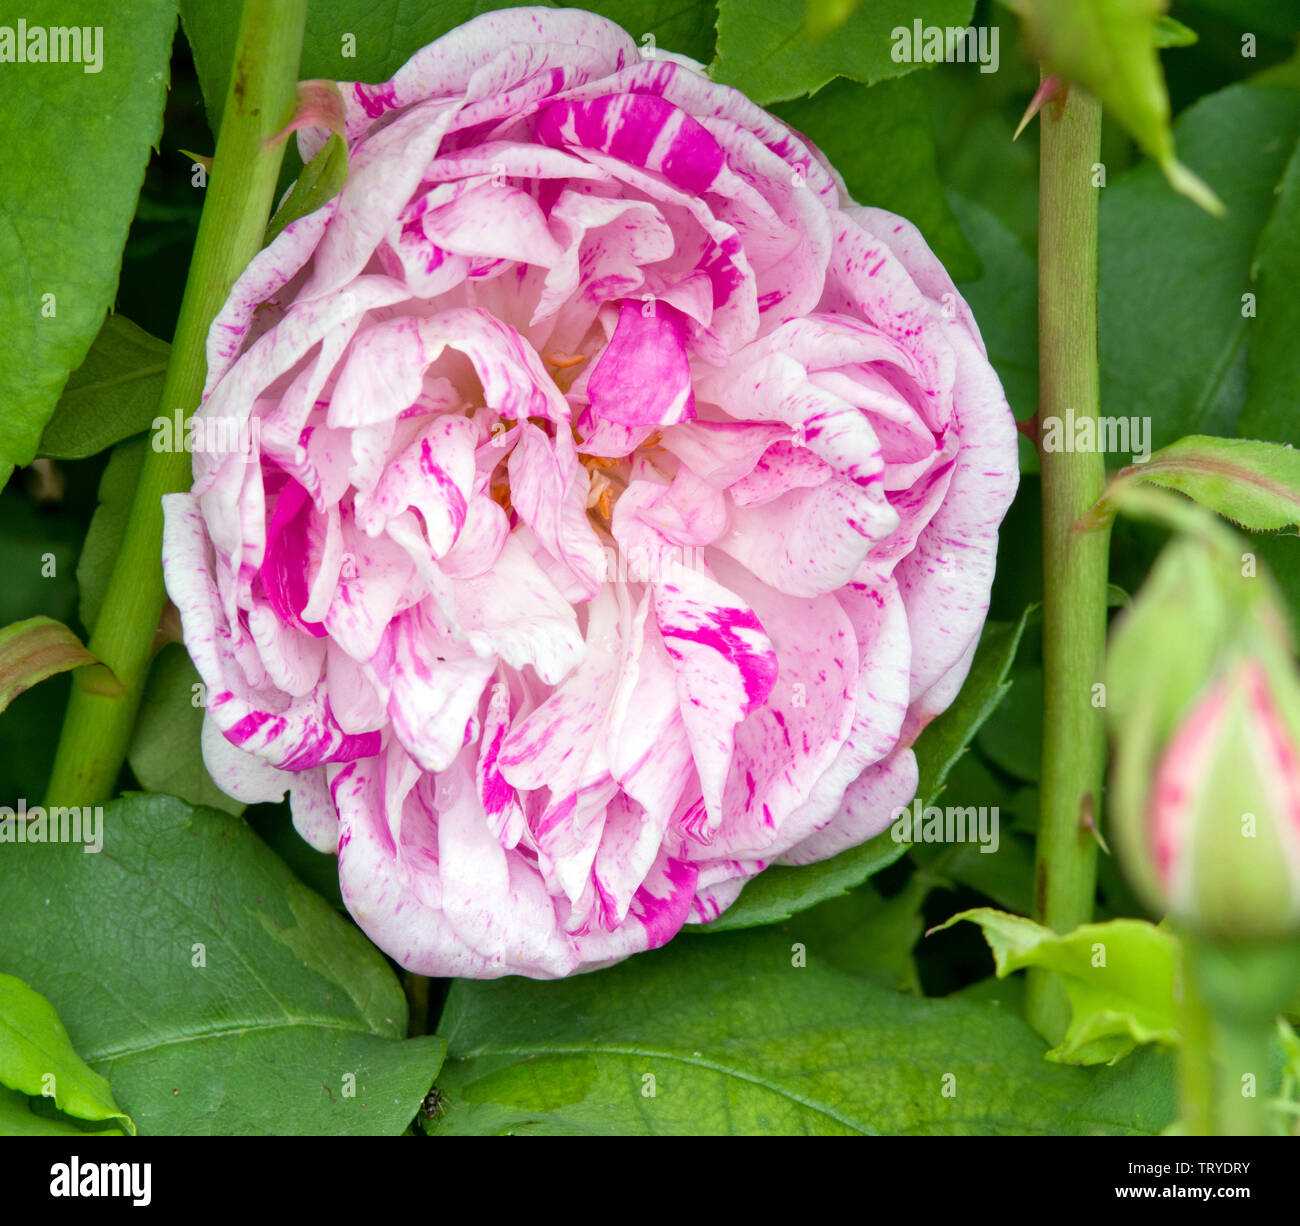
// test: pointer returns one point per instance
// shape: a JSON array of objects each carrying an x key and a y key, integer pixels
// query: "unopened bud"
[{"x": 1224, "y": 812}]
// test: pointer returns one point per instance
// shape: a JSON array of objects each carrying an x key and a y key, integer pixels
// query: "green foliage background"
[{"x": 732, "y": 1030}]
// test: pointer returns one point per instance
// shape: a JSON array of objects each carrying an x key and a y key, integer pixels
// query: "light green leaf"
[
  {"x": 1119, "y": 977},
  {"x": 1254, "y": 484},
  {"x": 894, "y": 168},
  {"x": 76, "y": 144},
  {"x": 767, "y": 51},
  {"x": 37, "y": 1058},
  {"x": 321, "y": 180},
  {"x": 18, "y": 1119},
  {"x": 1109, "y": 47},
  {"x": 112, "y": 395},
  {"x": 166, "y": 753},
  {"x": 732, "y": 1036},
  {"x": 781, "y": 891},
  {"x": 39, "y": 647},
  {"x": 219, "y": 994},
  {"x": 1172, "y": 333}
]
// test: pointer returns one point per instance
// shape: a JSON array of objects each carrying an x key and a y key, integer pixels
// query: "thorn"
[
  {"x": 1049, "y": 88},
  {"x": 1088, "y": 821},
  {"x": 1029, "y": 428},
  {"x": 317, "y": 104},
  {"x": 201, "y": 159}
]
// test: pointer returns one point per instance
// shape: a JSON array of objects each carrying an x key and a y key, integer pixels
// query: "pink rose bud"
[
  {"x": 1225, "y": 812},
  {"x": 616, "y": 502}
]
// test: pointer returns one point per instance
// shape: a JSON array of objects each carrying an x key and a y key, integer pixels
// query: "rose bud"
[
  {"x": 1225, "y": 811},
  {"x": 1205, "y": 709},
  {"x": 623, "y": 501}
]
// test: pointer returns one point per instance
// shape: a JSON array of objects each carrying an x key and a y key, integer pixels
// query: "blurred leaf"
[
  {"x": 1272, "y": 18},
  {"x": 1109, "y": 47},
  {"x": 35, "y": 1047},
  {"x": 1254, "y": 484},
  {"x": 782, "y": 891},
  {"x": 112, "y": 395},
  {"x": 76, "y": 144},
  {"x": 1271, "y": 396},
  {"x": 765, "y": 49},
  {"x": 732, "y": 1036},
  {"x": 223, "y": 996},
  {"x": 166, "y": 753},
  {"x": 1172, "y": 334},
  {"x": 1119, "y": 977},
  {"x": 1171, "y": 33},
  {"x": 37, "y": 648},
  {"x": 881, "y": 140},
  {"x": 824, "y": 17}
]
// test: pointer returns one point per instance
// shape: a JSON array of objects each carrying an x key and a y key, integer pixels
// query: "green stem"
[
  {"x": 97, "y": 729},
  {"x": 1195, "y": 1055},
  {"x": 1243, "y": 988},
  {"x": 1074, "y": 564},
  {"x": 1242, "y": 1083}
]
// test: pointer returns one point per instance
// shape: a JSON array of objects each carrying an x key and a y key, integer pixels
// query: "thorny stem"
[
  {"x": 259, "y": 102},
  {"x": 1074, "y": 564}
]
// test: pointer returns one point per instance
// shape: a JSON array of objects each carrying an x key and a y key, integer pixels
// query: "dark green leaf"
[
  {"x": 881, "y": 140},
  {"x": 218, "y": 993},
  {"x": 946, "y": 738},
  {"x": 1172, "y": 332},
  {"x": 165, "y": 754},
  {"x": 1005, "y": 304},
  {"x": 733, "y": 1036},
  {"x": 112, "y": 395},
  {"x": 766, "y": 50},
  {"x": 350, "y": 42},
  {"x": 1013, "y": 736},
  {"x": 1270, "y": 409}
]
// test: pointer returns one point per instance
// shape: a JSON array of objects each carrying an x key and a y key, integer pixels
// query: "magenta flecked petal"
[
  {"x": 643, "y": 378},
  {"x": 615, "y": 504}
]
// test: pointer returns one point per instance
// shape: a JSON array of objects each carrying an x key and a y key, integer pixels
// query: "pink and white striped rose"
[{"x": 625, "y": 503}]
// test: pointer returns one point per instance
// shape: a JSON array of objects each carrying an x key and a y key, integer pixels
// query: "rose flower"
[{"x": 623, "y": 503}]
